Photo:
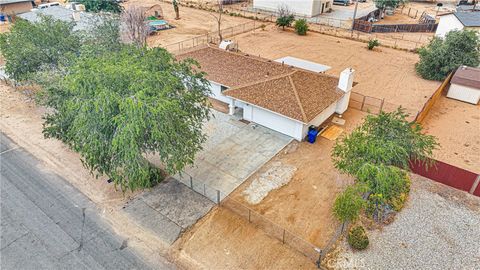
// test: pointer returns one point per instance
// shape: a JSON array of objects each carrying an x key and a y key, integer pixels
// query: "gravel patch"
[
  {"x": 275, "y": 177},
  {"x": 434, "y": 231}
]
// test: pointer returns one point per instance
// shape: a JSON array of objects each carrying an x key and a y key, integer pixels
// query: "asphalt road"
[{"x": 48, "y": 224}]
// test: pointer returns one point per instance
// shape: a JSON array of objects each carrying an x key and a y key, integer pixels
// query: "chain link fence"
[
  {"x": 212, "y": 37},
  {"x": 200, "y": 187},
  {"x": 274, "y": 230}
]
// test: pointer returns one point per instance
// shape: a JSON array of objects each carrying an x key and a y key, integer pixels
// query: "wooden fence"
[
  {"x": 431, "y": 101},
  {"x": 368, "y": 27}
]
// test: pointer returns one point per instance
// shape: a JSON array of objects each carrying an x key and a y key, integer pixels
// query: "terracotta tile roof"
[
  {"x": 234, "y": 69},
  {"x": 467, "y": 76},
  {"x": 292, "y": 92},
  {"x": 300, "y": 95}
]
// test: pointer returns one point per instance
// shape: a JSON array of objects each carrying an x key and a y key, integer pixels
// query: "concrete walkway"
[
  {"x": 168, "y": 209},
  {"x": 234, "y": 150}
]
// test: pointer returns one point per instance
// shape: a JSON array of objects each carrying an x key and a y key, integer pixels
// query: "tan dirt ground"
[
  {"x": 398, "y": 18},
  {"x": 303, "y": 206},
  {"x": 383, "y": 73},
  {"x": 456, "y": 124},
  {"x": 224, "y": 240},
  {"x": 192, "y": 23}
]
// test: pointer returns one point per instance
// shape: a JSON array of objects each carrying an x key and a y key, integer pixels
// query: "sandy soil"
[
  {"x": 384, "y": 73},
  {"x": 21, "y": 121},
  {"x": 192, "y": 23},
  {"x": 303, "y": 206},
  {"x": 456, "y": 124},
  {"x": 397, "y": 18},
  {"x": 223, "y": 240}
]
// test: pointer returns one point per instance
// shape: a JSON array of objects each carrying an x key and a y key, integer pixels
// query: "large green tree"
[
  {"x": 383, "y": 4},
  {"x": 101, "y": 5},
  {"x": 442, "y": 56},
  {"x": 29, "y": 47},
  {"x": 377, "y": 154},
  {"x": 388, "y": 139},
  {"x": 116, "y": 107}
]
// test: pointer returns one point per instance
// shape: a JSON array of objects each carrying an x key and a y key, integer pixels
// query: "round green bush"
[
  {"x": 301, "y": 27},
  {"x": 357, "y": 238}
]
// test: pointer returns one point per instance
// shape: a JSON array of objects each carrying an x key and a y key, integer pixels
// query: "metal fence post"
[
  {"x": 191, "y": 182},
  {"x": 218, "y": 196}
]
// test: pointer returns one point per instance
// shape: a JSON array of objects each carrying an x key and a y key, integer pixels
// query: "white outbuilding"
[
  {"x": 281, "y": 97},
  {"x": 465, "y": 85},
  {"x": 469, "y": 20}
]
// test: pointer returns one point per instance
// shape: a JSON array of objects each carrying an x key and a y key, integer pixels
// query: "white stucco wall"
[
  {"x": 301, "y": 7},
  {"x": 317, "y": 121},
  {"x": 448, "y": 23},
  {"x": 217, "y": 92},
  {"x": 273, "y": 121},
  {"x": 464, "y": 93}
]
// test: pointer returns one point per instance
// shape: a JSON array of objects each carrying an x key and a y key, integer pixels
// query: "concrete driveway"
[{"x": 234, "y": 150}]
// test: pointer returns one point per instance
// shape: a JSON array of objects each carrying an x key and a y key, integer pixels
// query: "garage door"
[{"x": 277, "y": 122}]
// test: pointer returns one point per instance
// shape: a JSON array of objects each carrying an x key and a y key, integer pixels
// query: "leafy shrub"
[
  {"x": 357, "y": 238},
  {"x": 349, "y": 203},
  {"x": 372, "y": 43},
  {"x": 442, "y": 56},
  {"x": 285, "y": 21},
  {"x": 301, "y": 27}
]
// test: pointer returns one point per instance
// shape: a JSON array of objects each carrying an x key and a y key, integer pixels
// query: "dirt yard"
[
  {"x": 192, "y": 23},
  {"x": 383, "y": 73},
  {"x": 398, "y": 18},
  {"x": 224, "y": 240},
  {"x": 456, "y": 124},
  {"x": 303, "y": 205}
]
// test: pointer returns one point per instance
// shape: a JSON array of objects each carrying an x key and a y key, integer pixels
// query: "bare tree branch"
[{"x": 135, "y": 28}]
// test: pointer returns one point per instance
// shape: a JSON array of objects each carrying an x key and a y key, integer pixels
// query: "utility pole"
[{"x": 354, "y": 15}]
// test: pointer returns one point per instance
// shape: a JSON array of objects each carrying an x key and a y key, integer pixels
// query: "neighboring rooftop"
[
  {"x": 303, "y": 64},
  {"x": 4, "y": 2},
  {"x": 234, "y": 69},
  {"x": 467, "y": 76},
  {"x": 469, "y": 18},
  {"x": 300, "y": 95},
  {"x": 84, "y": 21}
]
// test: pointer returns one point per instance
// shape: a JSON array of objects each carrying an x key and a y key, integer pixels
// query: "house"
[
  {"x": 83, "y": 20},
  {"x": 278, "y": 96},
  {"x": 458, "y": 21},
  {"x": 308, "y": 8},
  {"x": 465, "y": 85},
  {"x": 11, "y": 7}
]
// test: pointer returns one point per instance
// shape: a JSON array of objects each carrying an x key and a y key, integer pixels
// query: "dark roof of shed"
[
  {"x": 469, "y": 18},
  {"x": 467, "y": 76}
]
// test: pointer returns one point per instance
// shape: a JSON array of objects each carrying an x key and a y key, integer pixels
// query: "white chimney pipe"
[{"x": 345, "y": 83}]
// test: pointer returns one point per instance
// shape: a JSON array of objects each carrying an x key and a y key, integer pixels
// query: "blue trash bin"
[
  {"x": 312, "y": 135},
  {"x": 2, "y": 18}
]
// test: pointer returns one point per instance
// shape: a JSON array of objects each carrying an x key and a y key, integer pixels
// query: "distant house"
[
  {"x": 465, "y": 85},
  {"x": 309, "y": 8},
  {"x": 11, "y": 7},
  {"x": 458, "y": 21},
  {"x": 83, "y": 20},
  {"x": 281, "y": 97}
]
